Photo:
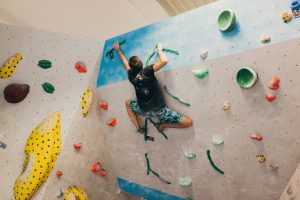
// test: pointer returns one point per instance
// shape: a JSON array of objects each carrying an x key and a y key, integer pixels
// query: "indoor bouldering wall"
[
  {"x": 18, "y": 120},
  {"x": 246, "y": 174},
  {"x": 250, "y": 113}
]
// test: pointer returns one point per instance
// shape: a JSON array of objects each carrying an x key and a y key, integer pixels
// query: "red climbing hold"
[
  {"x": 103, "y": 172},
  {"x": 77, "y": 146},
  {"x": 103, "y": 105},
  {"x": 59, "y": 173},
  {"x": 80, "y": 66},
  {"x": 274, "y": 83},
  {"x": 256, "y": 137},
  {"x": 96, "y": 167},
  {"x": 112, "y": 122},
  {"x": 270, "y": 97}
]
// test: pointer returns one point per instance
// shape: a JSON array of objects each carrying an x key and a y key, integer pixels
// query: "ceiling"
[{"x": 175, "y": 7}]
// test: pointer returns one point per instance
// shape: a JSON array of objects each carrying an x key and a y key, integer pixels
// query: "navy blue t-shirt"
[{"x": 148, "y": 93}]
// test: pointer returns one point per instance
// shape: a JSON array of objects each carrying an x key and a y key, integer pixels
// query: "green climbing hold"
[
  {"x": 156, "y": 125},
  {"x": 226, "y": 20},
  {"x": 153, "y": 172},
  {"x": 174, "y": 97},
  {"x": 200, "y": 73},
  {"x": 110, "y": 52},
  {"x": 212, "y": 163},
  {"x": 190, "y": 155},
  {"x": 246, "y": 77},
  {"x": 45, "y": 64},
  {"x": 164, "y": 49},
  {"x": 48, "y": 87},
  {"x": 185, "y": 181}
]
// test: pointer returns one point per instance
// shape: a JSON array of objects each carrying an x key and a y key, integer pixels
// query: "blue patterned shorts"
[{"x": 165, "y": 114}]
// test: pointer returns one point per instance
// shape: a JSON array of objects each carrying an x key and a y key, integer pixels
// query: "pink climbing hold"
[
  {"x": 256, "y": 136},
  {"x": 270, "y": 97},
  {"x": 274, "y": 83},
  {"x": 103, "y": 105},
  {"x": 112, "y": 122},
  {"x": 80, "y": 66}
]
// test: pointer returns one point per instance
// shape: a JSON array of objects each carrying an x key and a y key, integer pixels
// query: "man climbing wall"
[{"x": 150, "y": 101}]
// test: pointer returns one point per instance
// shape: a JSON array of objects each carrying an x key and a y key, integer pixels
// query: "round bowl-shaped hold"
[
  {"x": 295, "y": 5},
  {"x": 15, "y": 92},
  {"x": 226, "y": 20},
  {"x": 246, "y": 77}
]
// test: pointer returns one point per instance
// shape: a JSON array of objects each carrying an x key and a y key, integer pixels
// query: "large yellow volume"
[
  {"x": 75, "y": 193},
  {"x": 9, "y": 67},
  {"x": 86, "y": 101},
  {"x": 42, "y": 148}
]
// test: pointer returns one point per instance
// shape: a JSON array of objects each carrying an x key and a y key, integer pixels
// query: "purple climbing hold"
[{"x": 15, "y": 92}]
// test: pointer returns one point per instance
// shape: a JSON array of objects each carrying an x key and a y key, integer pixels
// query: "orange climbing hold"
[
  {"x": 77, "y": 146},
  {"x": 103, "y": 105},
  {"x": 270, "y": 97},
  {"x": 96, "y": 167},
  {"x": 112, "y": 122},
  {"x": 80, "y": 66},
  {"x": 274, "y": 83},
  {"x": 256, "y": 136}
]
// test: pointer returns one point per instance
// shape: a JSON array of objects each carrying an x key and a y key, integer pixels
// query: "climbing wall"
[
  {"x": 250, "y": 112},
  {"x": 18, "y": 120}
]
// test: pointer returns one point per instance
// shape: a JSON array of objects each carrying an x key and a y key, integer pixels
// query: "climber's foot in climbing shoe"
[{"x": 141, "y": 131}]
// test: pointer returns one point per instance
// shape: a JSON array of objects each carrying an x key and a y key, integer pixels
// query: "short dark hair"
[{"x": 135, "y": 64}]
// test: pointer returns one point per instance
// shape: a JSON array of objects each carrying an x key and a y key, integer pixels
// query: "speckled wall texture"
[
  {"x": 245, "y": 177},
  {"x": 18, "y": 120}
]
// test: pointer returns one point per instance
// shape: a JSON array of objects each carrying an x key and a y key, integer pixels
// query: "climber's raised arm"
[
  {"x": 121, "y": 55},
  {"x": 162, "y": 58}
]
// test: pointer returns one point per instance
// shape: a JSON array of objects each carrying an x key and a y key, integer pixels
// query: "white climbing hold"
[
  {"x": 217, "y": 140},
  {"x": 190, "y": 155},
  {"x": 60, "y": 194},
  {"x": 203, "y": 54},
  {"x": 226, "y": 105},
  {"x": 185, "y": 181}
]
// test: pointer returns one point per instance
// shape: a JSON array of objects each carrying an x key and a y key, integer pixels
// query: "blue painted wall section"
[
  {"x": 195, "y": 30},
  {"x": 145, "y": 192}
]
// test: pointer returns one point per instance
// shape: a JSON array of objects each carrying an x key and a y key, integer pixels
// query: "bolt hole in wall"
[{"x": 238, "y": 95}]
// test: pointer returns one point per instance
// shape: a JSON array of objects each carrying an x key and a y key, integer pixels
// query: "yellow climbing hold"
[
  {"x": 75, "y": 193},
  {"x": 42, "y": 148},
  {"x": 9, "y": 67},
  {"x": 86, "y": 101}
]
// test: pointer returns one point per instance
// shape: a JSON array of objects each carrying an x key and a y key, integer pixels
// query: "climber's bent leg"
[
  {"x": 132, "y": 110},
  {"x": 173, "y": 119}
]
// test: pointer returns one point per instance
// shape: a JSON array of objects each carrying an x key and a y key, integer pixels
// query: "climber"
[{"x": 150, "y": 101}]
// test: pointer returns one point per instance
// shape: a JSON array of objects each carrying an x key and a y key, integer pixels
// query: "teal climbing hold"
[
  {"x": 174, "y": 97},
  {"x": 45, "y": 64},
  {"x": 153, "y": 172},
  {"x": 48, "y": 87},
  {"x": 212, "y": 163},
  {"x": 164, "y": 49}
]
